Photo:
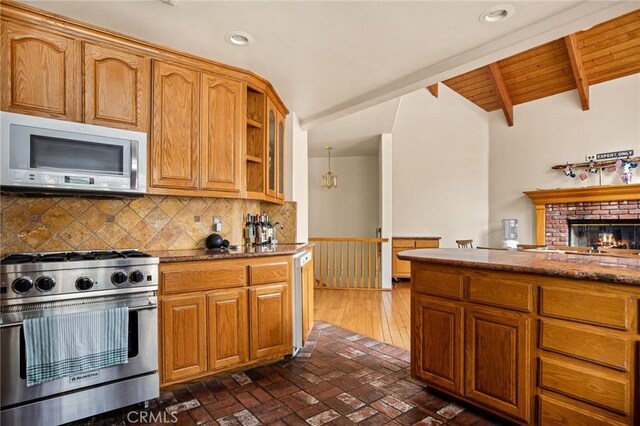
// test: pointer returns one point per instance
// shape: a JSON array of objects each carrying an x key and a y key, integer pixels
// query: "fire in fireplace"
[{"x": 599, "y": 233}]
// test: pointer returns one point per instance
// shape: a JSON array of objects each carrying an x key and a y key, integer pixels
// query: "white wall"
[
  {"x": 551, "y": 131},
  {"x": 385, "y": 164},
  {"x": 440, "y": 168},
  {"x": 297, "y": 172},
  {"x": 351, "y": 209}
]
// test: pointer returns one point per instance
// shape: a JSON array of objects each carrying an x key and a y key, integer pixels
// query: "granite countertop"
[
  {"x": 415, "y": 238},
  {"x": 171, "y": 256},
  {"x": 621, "y": 270}
]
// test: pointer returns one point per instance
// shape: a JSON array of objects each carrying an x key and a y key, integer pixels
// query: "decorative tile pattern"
[
  {"x": 153, "y": 222},
  {"x": 282, "y": 394}
]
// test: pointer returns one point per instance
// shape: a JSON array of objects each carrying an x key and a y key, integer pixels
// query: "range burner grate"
[{"x": 72, "y": 256}]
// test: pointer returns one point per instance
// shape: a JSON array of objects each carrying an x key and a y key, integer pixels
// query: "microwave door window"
[{"x": 74, "y": 155}]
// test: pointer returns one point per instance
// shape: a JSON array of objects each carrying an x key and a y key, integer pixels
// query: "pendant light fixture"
[{"x": 329, "y": 180}]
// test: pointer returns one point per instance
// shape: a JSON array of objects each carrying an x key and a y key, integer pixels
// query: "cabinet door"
[
  {"x": 401, "y": 268},
  {"x": 437, "y": 343},
  {"x": 270, "y": 321},
  {"x": 228, "y": 334},
  {"x": 221, "y": 143},
  {"x": 39, "y": 73},
  {"x": 272, "y": 126},
  {"x": 116, "y": 88},
  {"x": 307, "y": 299},
  {"x": 175, "y": 131},
  {"x": 498, "y": 360},
  {"x": 280, "y": 147},
  {"x": 184, "y": 337}
]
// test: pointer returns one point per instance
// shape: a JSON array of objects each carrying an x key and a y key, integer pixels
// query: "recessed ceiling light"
[
  {"x": 497, "y": 13},
  {"x": 239, "y": 38}
]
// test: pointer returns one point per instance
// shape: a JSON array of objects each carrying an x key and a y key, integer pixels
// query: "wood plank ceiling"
[{"x": 604, "y": 52}]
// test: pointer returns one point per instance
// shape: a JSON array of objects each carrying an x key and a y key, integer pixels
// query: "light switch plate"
[{"x": 217, "y": 223}]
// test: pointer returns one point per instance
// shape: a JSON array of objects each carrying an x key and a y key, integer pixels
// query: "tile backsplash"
[{"x": 41, "y": 223}]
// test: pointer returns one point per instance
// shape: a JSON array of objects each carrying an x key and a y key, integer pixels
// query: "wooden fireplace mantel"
[{"x": 542, "y": 197}]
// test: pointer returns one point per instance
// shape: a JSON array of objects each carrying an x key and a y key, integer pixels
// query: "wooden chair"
[
  {"x": 531, "y": 246},
  {"x": 464, "y": 243},
  {"x": 574, "y": 248}
]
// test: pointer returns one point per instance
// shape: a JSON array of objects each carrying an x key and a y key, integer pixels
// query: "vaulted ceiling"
[{"x": 604, "y": 52}]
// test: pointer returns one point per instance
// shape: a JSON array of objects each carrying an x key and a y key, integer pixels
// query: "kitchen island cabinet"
[{"x": 536, "y": 338}]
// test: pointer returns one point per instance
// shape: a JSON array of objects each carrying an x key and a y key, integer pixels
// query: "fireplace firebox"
[{"x": 599, "y": 233}]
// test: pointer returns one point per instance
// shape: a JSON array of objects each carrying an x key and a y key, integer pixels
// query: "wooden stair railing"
[{"x": 348, "y": 263}]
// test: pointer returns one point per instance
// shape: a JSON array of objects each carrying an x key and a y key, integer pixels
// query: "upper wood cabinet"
[
  {"x": 271, "y": 166},
  {"x": 175, "y": 133},
  {"x": 281, "y": 151},
  {"x": 116, "y": 88},
  {"x": 222, "y": 132},
  {"x": 39, "y": 72}
]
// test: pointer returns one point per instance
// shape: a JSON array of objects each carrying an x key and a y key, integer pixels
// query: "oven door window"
[
  {"x": 53, "y": 153},
  {"x": 132, "y": 344}
]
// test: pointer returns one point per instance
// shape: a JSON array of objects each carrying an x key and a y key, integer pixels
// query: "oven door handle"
[{"x": 132, "y": 309}]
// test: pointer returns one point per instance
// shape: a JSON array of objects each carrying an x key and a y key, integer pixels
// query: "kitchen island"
[{"x": 536, "y": 338}]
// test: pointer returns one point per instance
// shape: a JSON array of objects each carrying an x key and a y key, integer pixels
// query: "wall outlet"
[{"x": 217, "y": 223}]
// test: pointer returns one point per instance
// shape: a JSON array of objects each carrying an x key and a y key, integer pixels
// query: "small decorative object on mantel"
[{"x": 610, "y": 162}]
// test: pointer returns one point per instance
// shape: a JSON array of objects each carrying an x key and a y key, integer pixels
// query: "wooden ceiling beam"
[
  {"x": 582, "y": 84},
  {"x": 501, "y": 90},
  {"x": 433, "y": 89}
]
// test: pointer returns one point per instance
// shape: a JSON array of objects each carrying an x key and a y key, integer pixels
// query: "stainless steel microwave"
[{"x": 47, "y": 155}]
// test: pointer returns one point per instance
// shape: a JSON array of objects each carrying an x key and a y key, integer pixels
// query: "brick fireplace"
[
  {"x": 555, "y": 208},
  {"x": 609, "y": 216}
]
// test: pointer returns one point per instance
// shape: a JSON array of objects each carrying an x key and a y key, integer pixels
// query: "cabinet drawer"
[
  {"x": 557, "y": 413},
  {"x": 404, "y": 243},
  {"x": 501, "y": 293},
  {"x": 442, "y": 284},
  {"x": 607, "y": 310},
  {"x": 600, "y": 348},
  {"x": 269, "y": 273},
  {"x": 607, "y": 389},
  {"x": 427, "y": 244},
  {"x": 202, "y": 277}
]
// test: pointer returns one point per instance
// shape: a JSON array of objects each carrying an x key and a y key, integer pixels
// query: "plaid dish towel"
[{"x": 65, "y": 345}]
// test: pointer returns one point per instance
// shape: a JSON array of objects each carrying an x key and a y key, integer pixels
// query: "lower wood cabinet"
[
  {"x": 531, "y": 348},
  {"x": 212, "y": 320},
  {"x": 438, "y": 324},
  {"x": 184, "y": 348},
  {"x": 270, "y": 320},
  {"x": 497, "y": 360},
  {"x": 402, "y": 268},
  {"x": 228, "y": 334},
  {"x": 308, "y": 286}
]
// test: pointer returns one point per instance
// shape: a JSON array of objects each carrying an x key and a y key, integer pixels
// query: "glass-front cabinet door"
[
  {"x": 271, "y": 165},
  {"x": 280, "y": 175}
]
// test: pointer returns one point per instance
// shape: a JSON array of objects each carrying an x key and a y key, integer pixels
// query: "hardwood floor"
[{"x": 380, "y": 315}]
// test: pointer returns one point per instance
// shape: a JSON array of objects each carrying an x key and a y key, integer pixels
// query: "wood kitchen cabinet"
[
  {"x": 227, "y": 311},
  {"x": 497, "y": 360},
  {"x": 221, "y": 315},
  {"x": 534, "y": 349},
  {"x": 39, "y": 72},
  {"x": 116, "y": 87},
  {"x": 438, "y": 324},
  {"x": 402, "y": 268},
  {"x": 221, "y": 141},
  {"x": 208, "y": 132},
  {"x": 184, "y": 343},
  {"x": 270, "y": 320},
  {"x": 175, "y": 133}
]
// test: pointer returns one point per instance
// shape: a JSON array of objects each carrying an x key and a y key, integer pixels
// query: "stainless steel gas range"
[{"x": 40, "y": 285}]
